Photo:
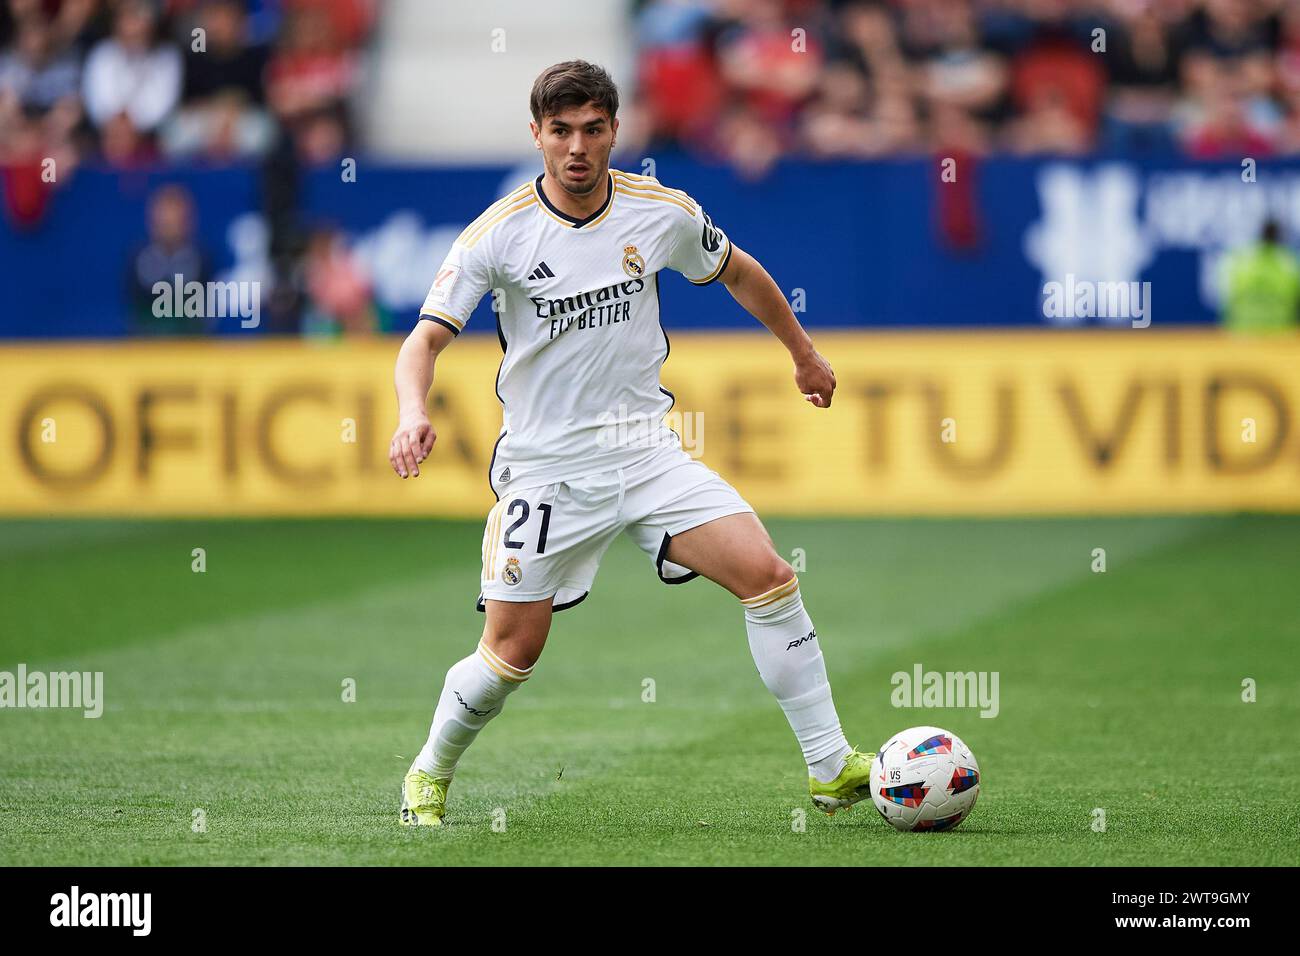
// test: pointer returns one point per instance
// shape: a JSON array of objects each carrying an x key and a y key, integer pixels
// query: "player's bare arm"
[
  {"x": 751, "y": 285},
  {"x": 413, "y": 377}
]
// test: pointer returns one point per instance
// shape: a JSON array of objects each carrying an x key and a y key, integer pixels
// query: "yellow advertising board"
[{"x": 922, "y": 423}]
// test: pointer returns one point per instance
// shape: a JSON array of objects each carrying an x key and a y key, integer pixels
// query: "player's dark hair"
[{"x": 569, "y": 84}]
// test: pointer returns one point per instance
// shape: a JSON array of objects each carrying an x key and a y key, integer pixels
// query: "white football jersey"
[{"x": 577, "y": 310}]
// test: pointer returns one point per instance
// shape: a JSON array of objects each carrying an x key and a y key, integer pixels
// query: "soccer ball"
[{"x": 924, "y": 779}]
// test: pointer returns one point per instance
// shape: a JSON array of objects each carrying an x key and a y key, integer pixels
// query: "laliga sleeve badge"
[
  {"x": 633, "y": 264},
  {"x": 512, "y": 574},
  {"x": 443, "y": 283}
]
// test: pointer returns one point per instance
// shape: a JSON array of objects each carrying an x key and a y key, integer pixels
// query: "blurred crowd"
[
  {"x": 127, "y": 82},
  {"x": 753, "y": 80}
]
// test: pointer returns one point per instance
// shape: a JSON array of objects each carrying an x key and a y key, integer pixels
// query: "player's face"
[{"x": 575, "y": 145}]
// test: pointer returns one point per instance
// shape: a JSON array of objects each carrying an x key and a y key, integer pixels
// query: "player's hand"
[
  {"x": 815, "y": 379},
  {"x": 412, "y": 443}
]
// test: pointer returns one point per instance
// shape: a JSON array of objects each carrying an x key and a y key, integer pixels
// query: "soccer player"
[{"x": 572, "y": 259}]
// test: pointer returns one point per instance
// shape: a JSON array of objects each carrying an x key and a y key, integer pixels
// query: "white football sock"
[
  {"x": 475, "y": 691},
  {"x": 785, "y": 648}
]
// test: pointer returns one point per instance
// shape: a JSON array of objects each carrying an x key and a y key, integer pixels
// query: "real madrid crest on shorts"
[
  {"x": 633, "y": 264},
  {"x": 512, "y": 574}
]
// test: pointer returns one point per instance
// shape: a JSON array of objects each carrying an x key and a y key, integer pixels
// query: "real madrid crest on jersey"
[
  {"x": 512, "y": 574},
  {"x": 633, "y": 264}
]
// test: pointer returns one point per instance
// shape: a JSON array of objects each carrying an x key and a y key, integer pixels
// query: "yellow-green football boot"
[
  {"x": 853, "y": 784},
  {"x": 424, "y": 799}
]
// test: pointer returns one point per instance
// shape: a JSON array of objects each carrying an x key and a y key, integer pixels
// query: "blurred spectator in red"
[
  {"x": 771, "y": 64},
  {"x": 683, "y": 92},
  {"x": 350, "y": 20},
  {"x": 310, "y": 68},
  {"x": 1225, "y": 132},
  {"x": 309, "y": 79},
  {"x": 28, "y": 159},
  {"x": 40, "y": 110},
  {"x": 1048, "y": 125},
  {"x": 1288, "y": 78},
  {"x": 1058, "y": 86},
  {"x": 132, "y": 82},
  {"x": 338, "y": 288}
]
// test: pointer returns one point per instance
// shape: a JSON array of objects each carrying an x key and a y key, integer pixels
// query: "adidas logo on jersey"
[
  {"x": 505, "y": 475},
  {"x": 543, "y": 271}
]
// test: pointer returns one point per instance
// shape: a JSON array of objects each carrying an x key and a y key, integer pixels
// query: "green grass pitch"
[{"x": 1120, "y": 691}]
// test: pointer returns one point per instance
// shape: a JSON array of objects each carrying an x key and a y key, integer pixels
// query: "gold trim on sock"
[
  {"x": 502, "y": 667},
  {"x": 769, "y": 597}
]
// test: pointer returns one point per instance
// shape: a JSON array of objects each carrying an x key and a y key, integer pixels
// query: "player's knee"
[
  {"x": 772, "y": 573},
  {"x": 518, "y": 648},
  {"x": 518, "y": 640}
]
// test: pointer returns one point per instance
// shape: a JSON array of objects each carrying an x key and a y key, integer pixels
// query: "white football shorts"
[{"x": 547, "y": 541}]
